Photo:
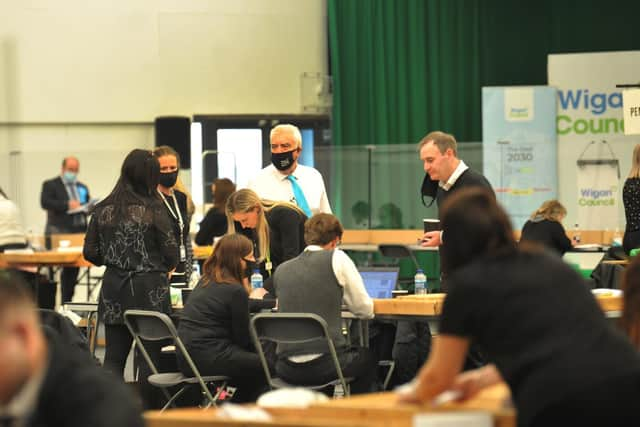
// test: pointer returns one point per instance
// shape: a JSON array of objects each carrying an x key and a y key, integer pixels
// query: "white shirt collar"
[
  {"x": 454, "y": 176},
  {"x": 24, "y": 403},
  {"x": 313, "y": 248}
]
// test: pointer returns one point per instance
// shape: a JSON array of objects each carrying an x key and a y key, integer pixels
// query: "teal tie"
[{"x": 298, "y": 194}]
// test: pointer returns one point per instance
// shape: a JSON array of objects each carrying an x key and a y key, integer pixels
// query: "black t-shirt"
[
  {"x": 214, "y": 224},
  {"x": 548, "y": 233},
  {"x": 214, "y": 318},
  {"x": 535, "y": 319}
]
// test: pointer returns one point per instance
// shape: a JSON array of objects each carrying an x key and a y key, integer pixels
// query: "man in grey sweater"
[{"x": 320, "y": 280}]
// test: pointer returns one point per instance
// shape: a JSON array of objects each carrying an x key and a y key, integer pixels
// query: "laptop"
[{"x": 379, "y": 282}]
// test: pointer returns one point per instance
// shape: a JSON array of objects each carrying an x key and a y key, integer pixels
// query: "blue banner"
[{"x": 519, "y": 147}]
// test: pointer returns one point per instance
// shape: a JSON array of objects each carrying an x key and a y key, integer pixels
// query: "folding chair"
[
  {"x": 294, "y": 328},
  {"x": 155, "y": 326}
]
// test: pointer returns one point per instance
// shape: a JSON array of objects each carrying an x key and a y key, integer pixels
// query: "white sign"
[
  {"x": 631, "y": 111},
  {"x": 590, "y": 110}
]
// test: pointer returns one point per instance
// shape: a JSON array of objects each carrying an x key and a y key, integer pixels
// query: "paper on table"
[
  {"x": 453, "y": 419},
  {"x": 83, "y": 208}
]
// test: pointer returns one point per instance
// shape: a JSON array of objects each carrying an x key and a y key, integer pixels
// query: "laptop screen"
[{"x": 379, "y": 281}]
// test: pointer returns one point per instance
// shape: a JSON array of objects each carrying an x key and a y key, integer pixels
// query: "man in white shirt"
[
  {"x": 320, "y": 280},
  {"x": 287, "y": 180}
]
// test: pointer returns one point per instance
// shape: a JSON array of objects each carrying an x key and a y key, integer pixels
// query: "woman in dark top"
[
  {"x": 540, "y": 327},
  {"x": 131, "y": 233},
  {"x": 545, "y": 227},
  {"x": 630, "y": 320},
  {"x": 631, "y": 201},
  {"x": 215, "y": 321},
  {"x": 277, "y": 229},
  {"x": 176, "y": 204},
  {"x": 214, "y": 223}
]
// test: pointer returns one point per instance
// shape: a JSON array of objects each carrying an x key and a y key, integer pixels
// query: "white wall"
[{"x": 88, "y": 78}]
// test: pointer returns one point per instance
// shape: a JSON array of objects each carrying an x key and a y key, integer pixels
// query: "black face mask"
[
  {"x": 429, "y": 188},
  {"x": 282, "y": 161},
  {"x": 168, "y": 179}
]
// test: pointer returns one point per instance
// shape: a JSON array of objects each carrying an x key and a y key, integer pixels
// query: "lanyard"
[{"x": 177, "y": 216}]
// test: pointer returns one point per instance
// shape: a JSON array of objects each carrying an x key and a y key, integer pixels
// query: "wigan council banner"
[
  {"x": 519, "y": 147},
  {"x": 590, "y": 112}
]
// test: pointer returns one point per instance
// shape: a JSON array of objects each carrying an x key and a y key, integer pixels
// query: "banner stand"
[{"x": 598, "y": 187}]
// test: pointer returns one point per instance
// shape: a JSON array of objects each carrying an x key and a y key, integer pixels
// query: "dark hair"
[
  {"x": 474, "y": 226},
  {"x": 14, "y": 291},
  {"x": 224, "y": 188},
  {"x": 138, "y": 181},
  {"x": 225, "y": 263},
  {"x": 630, "y": 320},
  {"x": 321, "y": 229}
]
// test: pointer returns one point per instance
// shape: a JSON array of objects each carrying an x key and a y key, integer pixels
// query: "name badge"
[
  {"x": 183, "y": 253},
  {"x": 268, "y": 265}
]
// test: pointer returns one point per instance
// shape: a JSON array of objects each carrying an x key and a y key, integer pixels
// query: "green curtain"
[
  {"x": 403, "y": 68},
  {"x": 394, "y": 80}
]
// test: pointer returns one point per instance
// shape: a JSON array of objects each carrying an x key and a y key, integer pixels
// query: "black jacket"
[
  {"x": 77, "y": 393},
  {"x": 55, "y": 200}
]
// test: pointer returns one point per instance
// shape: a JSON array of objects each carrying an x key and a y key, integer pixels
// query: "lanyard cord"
[{"x": 177, "y": 215}]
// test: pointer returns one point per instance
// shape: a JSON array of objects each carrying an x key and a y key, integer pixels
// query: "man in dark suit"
[
  {"x": 44, "y": 381},
  {"x": 59, "y": 196}
]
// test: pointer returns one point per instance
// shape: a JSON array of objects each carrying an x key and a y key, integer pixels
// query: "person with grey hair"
[{"x": 287, "y": 180}]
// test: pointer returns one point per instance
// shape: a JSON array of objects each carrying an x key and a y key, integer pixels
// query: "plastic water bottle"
[
  {"x": 576, "y": 234},
  {"x": 420, "y": 282},
  {"x": 256, "y": 279},
  {"x": 195, "y": 275}
]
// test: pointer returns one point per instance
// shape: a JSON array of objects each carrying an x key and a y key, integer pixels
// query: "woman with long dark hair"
[
  {"x": 534, "y": 317},
  {"x": 132, "y": 235},
  {"x": 214, "y": 223},
  {"x": 214, "y": 324}
]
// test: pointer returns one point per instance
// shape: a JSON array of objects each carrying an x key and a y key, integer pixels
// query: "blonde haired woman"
[
  {"x": 631, "y": 200},
  {"x": 545, "y": 227},
  {"x": 276, "y": 229}
]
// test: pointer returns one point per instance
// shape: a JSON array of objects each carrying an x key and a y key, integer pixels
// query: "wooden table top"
[
  {"x": 431, "y": 305},
  {"x": 47, "y": 258},
  {"x": 377, "y": 409}
]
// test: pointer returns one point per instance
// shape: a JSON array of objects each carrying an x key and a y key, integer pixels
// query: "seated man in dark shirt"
[{"x": 44, "y": 382}]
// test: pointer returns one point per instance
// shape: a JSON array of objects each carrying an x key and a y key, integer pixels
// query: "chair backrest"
[
  {"x": 155, "y": 326},
  {"x": 291, "y": 328}
]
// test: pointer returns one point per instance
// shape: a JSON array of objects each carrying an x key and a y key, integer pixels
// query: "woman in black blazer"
[
  {"x": 214, "y": 324},
  {"x": 276, "y": 228}
]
